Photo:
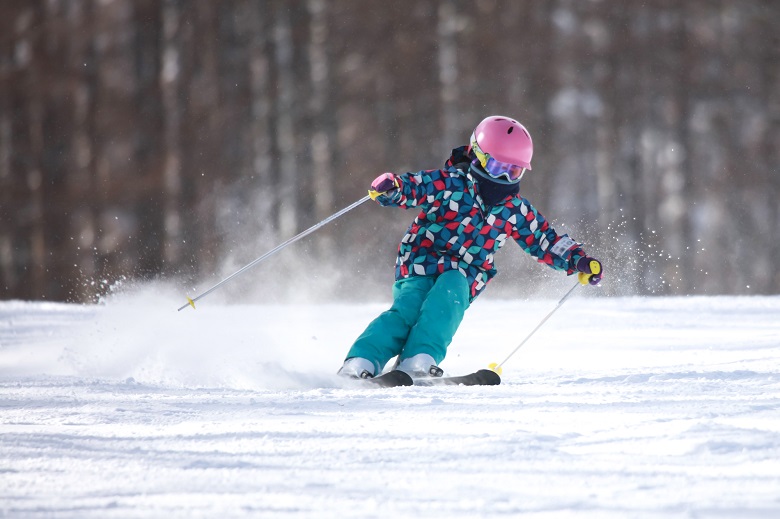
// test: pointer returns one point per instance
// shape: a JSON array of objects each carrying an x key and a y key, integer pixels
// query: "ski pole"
[
  {"x": 497, "y": 367},
  {"x": 191, "y": 302}
]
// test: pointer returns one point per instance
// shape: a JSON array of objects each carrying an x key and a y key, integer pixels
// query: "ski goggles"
[{"x": 497, "y": 169}]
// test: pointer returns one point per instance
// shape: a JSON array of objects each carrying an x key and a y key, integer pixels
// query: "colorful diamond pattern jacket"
[{"x": 455, "y": 230}]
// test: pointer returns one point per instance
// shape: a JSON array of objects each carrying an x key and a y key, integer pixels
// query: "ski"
[
  {"x": 393, "y": 378},
  {"x": 483, "y": 377},
  {"x": 397, "y": 378}
]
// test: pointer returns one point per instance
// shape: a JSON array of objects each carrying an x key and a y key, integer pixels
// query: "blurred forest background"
[{"x": 179, "y": 140}]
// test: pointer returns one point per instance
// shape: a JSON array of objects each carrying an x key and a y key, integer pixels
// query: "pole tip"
[
  {"x": 189, "y": 302},
  {"x": 495, "y": 367}
]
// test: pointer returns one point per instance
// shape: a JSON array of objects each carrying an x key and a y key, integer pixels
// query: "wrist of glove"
[
  {"x": 590, "y": 271},
  {"x": 384, "y": 187}
]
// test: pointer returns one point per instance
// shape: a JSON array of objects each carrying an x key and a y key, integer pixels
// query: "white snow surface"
[{"x": 616, "y": 408}]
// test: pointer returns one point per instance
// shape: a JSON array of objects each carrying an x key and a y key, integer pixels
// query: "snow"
[{"x": 617, "y": 407}]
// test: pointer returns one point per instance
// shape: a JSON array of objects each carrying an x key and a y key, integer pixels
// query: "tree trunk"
[
  {"x": 322, "y": 137},
  {"x": 286, "y": 111},
  {"x": 170, "y": 85}
]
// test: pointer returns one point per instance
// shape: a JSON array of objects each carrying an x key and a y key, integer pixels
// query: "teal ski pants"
[{"x": 426, "y": 312}]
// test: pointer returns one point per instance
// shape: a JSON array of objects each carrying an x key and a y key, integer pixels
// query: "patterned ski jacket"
[{"x": 455, "y": 230}]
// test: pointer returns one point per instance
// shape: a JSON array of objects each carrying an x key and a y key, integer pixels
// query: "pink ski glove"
[{"x": 381, "y": 187}]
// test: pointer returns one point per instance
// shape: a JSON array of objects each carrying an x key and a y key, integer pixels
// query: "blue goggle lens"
[{"x": 498, "y": 169}]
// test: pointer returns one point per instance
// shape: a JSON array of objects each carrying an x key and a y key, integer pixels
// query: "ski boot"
[
  {"x": 421, "y": 365},
  {"x": 357, "y": 368}
]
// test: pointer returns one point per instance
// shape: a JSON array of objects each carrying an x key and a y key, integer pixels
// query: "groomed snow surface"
[{"x": 617, "y": 408}]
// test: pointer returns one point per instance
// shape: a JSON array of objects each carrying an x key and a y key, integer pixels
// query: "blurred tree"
[{"x": 144, "y": 138}]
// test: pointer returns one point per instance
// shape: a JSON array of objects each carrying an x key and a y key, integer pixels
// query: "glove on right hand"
[{"x": 382, "y": 185}]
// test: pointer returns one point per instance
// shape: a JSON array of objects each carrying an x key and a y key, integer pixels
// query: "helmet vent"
[{"x": 510, "y": 129}]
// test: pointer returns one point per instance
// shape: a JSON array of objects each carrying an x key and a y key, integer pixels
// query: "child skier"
[{"x": 467, "y": 211}]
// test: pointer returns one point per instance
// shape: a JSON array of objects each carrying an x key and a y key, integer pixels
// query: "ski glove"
[
  {"x": 384, "y": 188},
  {"x": 590, "y": 271}
]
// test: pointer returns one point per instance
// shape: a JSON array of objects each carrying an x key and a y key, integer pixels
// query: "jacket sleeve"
[
  {"x": 415, "y": 189},
  {"x": 536, "y": 237}
]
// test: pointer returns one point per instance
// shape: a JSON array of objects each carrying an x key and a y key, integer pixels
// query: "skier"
[{"x": 467, "y": 210}]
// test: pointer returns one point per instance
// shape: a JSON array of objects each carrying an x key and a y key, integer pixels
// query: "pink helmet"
[{"x": 503, "y": 139}]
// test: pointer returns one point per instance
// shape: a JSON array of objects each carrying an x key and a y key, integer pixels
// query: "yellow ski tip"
[
  {"x": 495, "y": 367},
  {"x": 191, "y": 303}
]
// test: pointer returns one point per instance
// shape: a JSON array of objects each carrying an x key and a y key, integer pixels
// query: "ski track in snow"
[{"x": 624, "y": 407}]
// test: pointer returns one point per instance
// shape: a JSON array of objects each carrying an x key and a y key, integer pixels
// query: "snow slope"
[{"x": 617, "y": 408}]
